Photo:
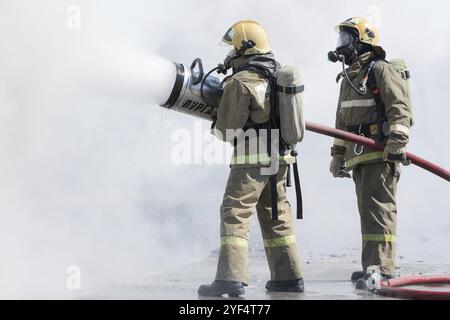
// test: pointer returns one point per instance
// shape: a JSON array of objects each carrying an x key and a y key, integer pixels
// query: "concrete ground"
[{"x": 326, "y": 278}]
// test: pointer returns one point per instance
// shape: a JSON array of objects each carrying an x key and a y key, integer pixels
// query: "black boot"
[
  {"x": 219, "y": 288},
  {"x": 357, "y": 275},
  {"x": 286, "y": 286}
]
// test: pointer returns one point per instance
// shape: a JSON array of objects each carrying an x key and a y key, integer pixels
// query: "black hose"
[
  {"x": 361, "y": 93},
  {"x": 203, "y": 84}
]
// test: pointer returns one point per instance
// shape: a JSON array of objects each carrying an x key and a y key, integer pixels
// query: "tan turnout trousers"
[
  {"x": 376, "y": 190},
  {"x": 246, "y": 191}
]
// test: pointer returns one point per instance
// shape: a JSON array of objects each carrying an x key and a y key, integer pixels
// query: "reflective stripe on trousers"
[
  {"x": 268, "y": 243},
  {"x": 257, "y": 159},
  {"x": 280, "y": 242},
  {"x": 234, "y": 241},
  {"x": 379, "y": 237}
]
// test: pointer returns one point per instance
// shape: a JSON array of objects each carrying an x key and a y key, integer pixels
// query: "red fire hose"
[
  {"x": 397, "y": 288},
  {"x": 343, "y": 135}
]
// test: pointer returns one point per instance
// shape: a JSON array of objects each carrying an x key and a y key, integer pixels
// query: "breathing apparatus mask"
[
  {"x": 226, "y": 65},
  {"x": 348, "y": 48}
]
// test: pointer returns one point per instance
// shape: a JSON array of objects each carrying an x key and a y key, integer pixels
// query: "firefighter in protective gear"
[
  {"x": 382, "y": 112},
  {"x": 245, "y": 107}
]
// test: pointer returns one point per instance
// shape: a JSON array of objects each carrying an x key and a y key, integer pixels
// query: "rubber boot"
[
  {"x": 357, "y": 275},
  {"x": 296, "y": 286},
  {"x": 219, "y": 288}
]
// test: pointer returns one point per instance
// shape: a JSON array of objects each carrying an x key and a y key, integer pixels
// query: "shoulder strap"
[
  {"x": 372, "y": 81},
  {"x": 272, "y": 81},
  {"x": 270, "y": 77},
  {"x": 298, "y": 189},
  {"x": 374, "y": 88},
  {"x": 264, "y": 72}
]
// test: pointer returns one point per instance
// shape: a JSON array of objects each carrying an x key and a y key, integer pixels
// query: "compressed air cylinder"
[{"x": 186, "y": 94}]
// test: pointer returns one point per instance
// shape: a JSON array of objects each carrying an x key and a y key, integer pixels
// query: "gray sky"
[{"x": 85, "y": 173}]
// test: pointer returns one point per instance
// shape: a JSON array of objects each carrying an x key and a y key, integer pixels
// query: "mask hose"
[
  {"x": 363, "y": 89},
  {"x": 203, "y": 83},
  {"x": 222, "y": 68}
]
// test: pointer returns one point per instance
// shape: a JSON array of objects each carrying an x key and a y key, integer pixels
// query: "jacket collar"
[
  {"x": 266, "y": 61},
  {"x": 363, "y": 61},
  {"x": 360, "y": 63}
]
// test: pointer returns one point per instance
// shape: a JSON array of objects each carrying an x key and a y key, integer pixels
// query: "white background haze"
[{"x": 85, "y": 171}]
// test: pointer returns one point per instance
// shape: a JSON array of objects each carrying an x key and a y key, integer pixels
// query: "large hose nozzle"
[
  {"x": 193, "y": 93},
  {"x": 178, "y": 86}
]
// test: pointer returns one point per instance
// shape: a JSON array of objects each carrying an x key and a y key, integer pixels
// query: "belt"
[{"x": 368, "y": 130}]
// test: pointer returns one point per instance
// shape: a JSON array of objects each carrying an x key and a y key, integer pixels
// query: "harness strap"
[
  {"x": 274, "y": 195},
  {"x": 381, "y": 111},
  {"x": 368, "y": 130},
  {"x": 291, "y": 90},
  {"x": 298, "y": 189},
  {"x": 380, "y": 108},
  {"x": 272, "y": 124}
]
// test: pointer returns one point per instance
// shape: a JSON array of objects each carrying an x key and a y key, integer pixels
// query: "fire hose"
[
  {"x": 372, "y": 144},
  {"x": 398, "y": 288}
]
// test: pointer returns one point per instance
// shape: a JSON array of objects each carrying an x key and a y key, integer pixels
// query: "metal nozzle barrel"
[
  {"x": 191, "y": 89},
  {"x": 178, "y": 86}
]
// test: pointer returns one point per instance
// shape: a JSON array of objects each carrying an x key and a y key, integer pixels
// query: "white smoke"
[
  {"x": 86, "y": 177},
  {"x": 86, "y": 173}
]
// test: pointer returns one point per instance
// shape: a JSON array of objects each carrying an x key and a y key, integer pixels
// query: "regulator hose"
[
  {"x": 203, "y": 83},
  {"x": 359, "y": 92}
]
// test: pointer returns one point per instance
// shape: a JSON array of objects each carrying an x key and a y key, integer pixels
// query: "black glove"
[{"x": 337, "y": 167}]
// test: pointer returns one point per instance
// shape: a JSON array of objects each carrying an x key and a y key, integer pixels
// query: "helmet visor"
[
  {"x": 345, "y": 38},
  {"x": 228, "y": 37}
]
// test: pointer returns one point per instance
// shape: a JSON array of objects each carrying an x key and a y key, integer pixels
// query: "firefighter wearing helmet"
[
  {"x": 374, "y": 102},
  {"x": 246, "y": 105}
]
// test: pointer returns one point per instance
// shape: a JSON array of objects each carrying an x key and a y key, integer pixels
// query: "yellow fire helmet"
[
  {"x": 248, "y": 32},
  {"x": 368, "y": 33}
]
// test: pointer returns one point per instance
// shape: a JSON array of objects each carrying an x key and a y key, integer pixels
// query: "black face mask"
[
  {"x": 347, "y": 49},
  {"x": 347, "y": 45}
]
